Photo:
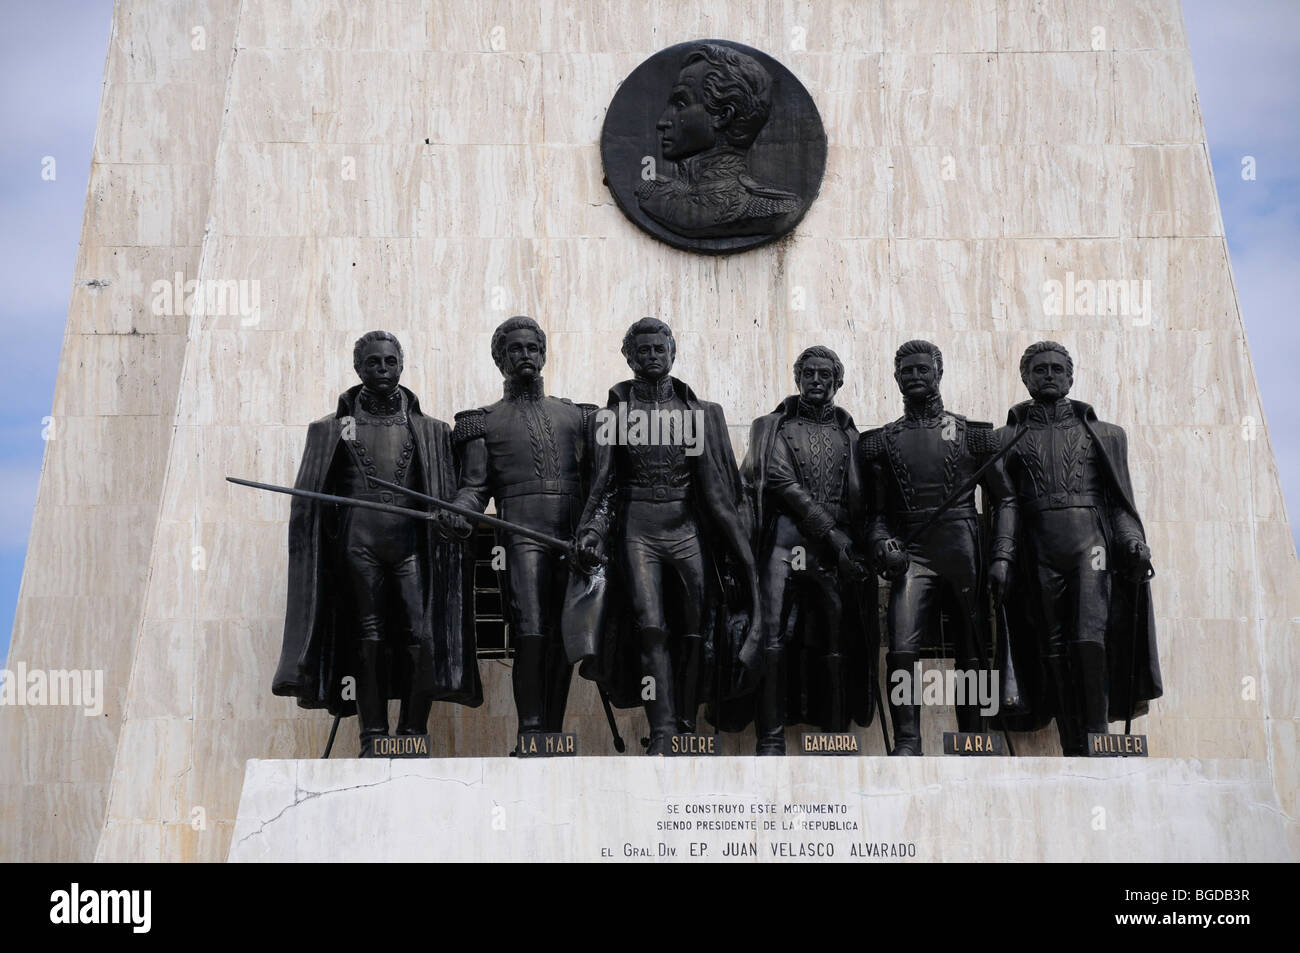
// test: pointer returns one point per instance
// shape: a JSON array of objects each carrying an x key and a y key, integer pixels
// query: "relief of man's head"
[{"x": 720, "y": 93}]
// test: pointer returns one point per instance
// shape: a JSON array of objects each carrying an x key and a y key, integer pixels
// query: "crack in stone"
[{"x": 302, "y": 797}]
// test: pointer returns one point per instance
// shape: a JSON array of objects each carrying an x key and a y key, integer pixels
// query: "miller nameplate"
[
  {"x": 400, "y": 746},
  {"x": 547, "y": 744},
  {"x": 830, "y": 742},
  {"x": 1117, "y": 746},
  {"x": 972, "y": 743},
  {"x": 692, "y": 744}
]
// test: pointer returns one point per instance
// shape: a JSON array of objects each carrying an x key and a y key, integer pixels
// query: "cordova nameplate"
[{"x": 401, "y": 746}]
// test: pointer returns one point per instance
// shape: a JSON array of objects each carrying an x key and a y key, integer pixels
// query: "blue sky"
[{"x": 52, "y": 60}]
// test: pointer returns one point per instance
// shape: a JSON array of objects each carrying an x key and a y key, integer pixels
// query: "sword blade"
[
  {"x": 331, "y": 498},
  {"x": 469, "y": 514},
  {"x": 961, "y": 491}
]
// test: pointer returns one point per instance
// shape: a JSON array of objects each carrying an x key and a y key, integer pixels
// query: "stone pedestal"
[
  {"x": 432, "y": 167},
  {"x": 853, "y": 810}
]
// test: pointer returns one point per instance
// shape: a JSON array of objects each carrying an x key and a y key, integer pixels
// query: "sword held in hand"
[
  {"x": 462, "y": 511},
  {"x": 962, "y": 490}
]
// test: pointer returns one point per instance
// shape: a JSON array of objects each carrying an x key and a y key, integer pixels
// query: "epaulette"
[
  {"x": 871, "y": 445},
  {"x": 981, "y": 438},
  {"x": 766, "y": 191},
  {"x": 469, "y": 424}
]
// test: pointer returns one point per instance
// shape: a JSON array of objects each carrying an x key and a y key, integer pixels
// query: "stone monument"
[{"x": 996, "y": 173}]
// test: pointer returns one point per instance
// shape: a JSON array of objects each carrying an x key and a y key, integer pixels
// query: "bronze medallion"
[{"x": 713, "y": 147}]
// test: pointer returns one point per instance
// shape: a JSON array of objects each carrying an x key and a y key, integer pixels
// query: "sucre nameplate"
[
  {"x": 830, "y": 742},
  {"x": 548, "y": 744},
  {"x": 1117, "y": 746},
  {"x": 972, "y": 743},
  {"x": 692, "y": 744}
]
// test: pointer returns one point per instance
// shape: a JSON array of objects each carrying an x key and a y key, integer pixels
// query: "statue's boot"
[
  {"x": 414, "y": 716},
  {"x": 769, "y": 716},
  {"x": 968, "y": 715},
  {"x": 688, "y": 682},
  {"x": 372, "y": 692},
  {"x": 660, "y": 709},
  {"x": 1063, "y": 696},
  {"x": 1089, "y": 661},
  {"x": 906, "y": 717},
  {"x": 528, "y": 680},
  {"x": 559, "y": 675},
  {"x": 837, "y": 707}
]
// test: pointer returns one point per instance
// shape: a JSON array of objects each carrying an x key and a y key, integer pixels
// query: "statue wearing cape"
[
  {"x": 806, "y": 689},
  {"x": 597, "y": 619},
  {"x": 1027, "y": 703},
  {"x": 320, "y": 622}
]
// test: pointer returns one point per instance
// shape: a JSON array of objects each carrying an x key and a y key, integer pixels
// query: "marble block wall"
[
  {"x": 431, "y": 167},
  {"x": 89, "y": 554}
]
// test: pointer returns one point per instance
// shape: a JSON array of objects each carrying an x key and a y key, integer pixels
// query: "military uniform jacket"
[
  {"x": 911, "y": 466},
  {"x": 715, "y": 197},
  {"x": 526, "y": 443},
  {"x": 816, "y": 486}
]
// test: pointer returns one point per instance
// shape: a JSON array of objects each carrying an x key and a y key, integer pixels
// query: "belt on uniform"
[
  {"x": 385, "y": 496},
  {"x": 529, "y": 487},
  {"x": 911, "y": 517},
  {"x": 1060, "y": 501},
  {"x": 657, "y": 494}
]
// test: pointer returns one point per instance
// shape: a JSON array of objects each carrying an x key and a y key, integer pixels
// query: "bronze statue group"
[{"x": 681, "y": 582}]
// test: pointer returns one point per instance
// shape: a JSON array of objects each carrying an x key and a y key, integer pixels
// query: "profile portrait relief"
[
  {"x": 715, "y": 147},
  {"x": 717, "y": 106}
]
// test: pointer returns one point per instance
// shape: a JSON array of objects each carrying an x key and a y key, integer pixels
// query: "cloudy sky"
[{"x": 52, "y": 60}]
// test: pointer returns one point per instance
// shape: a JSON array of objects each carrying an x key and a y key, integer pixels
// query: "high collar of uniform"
[
  {"x": 818, "y": 413},
  {"x": 653, "y": 391},
  {"x": 381, "y": 405},
  {"x": 1044, "y": 411},
  {"x": 721, "y": 162},
  {"x": 527, "y": 388},
  {"x": 928, "y": 409}
]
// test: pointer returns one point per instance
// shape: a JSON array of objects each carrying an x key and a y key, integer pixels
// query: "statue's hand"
[
  {"x": 892, "y": 559},
  {"x": 452, "y": 526},
  {"x": 587, "y": 549},
  {"x": 999, "y": 578},
  {"x": 1139, "y": 561},
  {"x": 851, "y": 568}
]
